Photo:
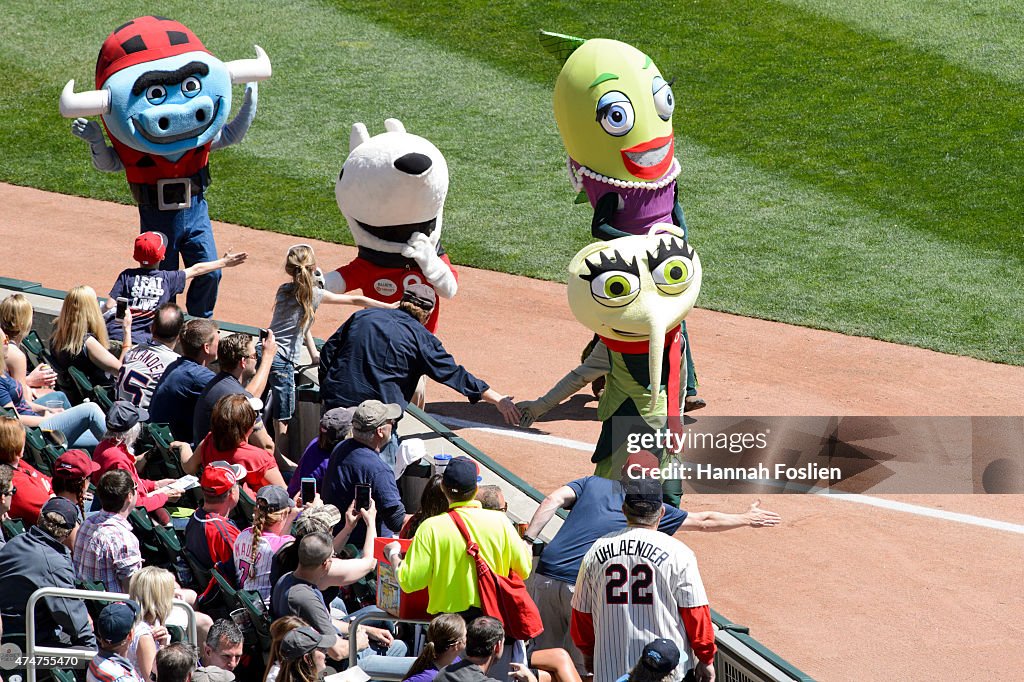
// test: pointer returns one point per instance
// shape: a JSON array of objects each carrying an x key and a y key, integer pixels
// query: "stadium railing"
[
  {"x": 741, "y": 658},
  {"x": 35, "y": 653}
]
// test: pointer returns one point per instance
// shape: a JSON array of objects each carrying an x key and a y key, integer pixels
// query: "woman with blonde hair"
[
  {"x": 295, "y": 308},
  {"x": 278, "y": 629},
  {"x": 446, "y": 637},
  {"x": 255, "y": 546},
  {"x": 153, "y": 589},
  {"x": 80, "y": 340},
  {"x": 82, "y": 425},
  {"x": 16, "y": 321}
]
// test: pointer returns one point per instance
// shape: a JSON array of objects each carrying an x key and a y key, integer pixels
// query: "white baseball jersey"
[
  {"x": 633, "y": 583},
  {"x": 141, "y": 371}
]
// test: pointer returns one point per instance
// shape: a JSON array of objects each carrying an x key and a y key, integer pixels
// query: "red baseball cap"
[
  {"x": 639, "y": 464},
  {"x": 143, "y": 39},
  {"x": 150, "y": 247},
  {"x": 75, "y": 464},
  {"x": 220, "y": 477}
]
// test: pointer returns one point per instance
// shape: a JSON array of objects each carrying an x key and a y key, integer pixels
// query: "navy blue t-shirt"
[
  {"x": 12, "y": 392},
  {"x": 353, "y": 463},
  {"x": 597, "y": 512},
  {"x": 219, "y": 386},
  {"x": 146, "y": 290},
  {"x": 174, "y": 399}
]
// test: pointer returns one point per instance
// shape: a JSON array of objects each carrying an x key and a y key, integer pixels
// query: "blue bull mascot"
[{"x": 164, "y": 101}]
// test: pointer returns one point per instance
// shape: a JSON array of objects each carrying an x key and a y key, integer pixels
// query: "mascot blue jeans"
[{"x": 189, "y": 234}]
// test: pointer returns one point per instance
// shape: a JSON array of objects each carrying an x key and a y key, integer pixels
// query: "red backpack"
[{"x": 503, "y": 598}]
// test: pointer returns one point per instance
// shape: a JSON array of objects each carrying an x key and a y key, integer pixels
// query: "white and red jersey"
[
  {"x": 141, "y": 371},
  {"x": 630, "y": 589}
]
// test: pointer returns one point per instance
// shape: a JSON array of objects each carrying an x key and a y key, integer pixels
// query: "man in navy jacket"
[{"x": 382, "y": 353}]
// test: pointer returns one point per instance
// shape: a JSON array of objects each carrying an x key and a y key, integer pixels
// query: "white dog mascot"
[{"x": 391, "y": 191}]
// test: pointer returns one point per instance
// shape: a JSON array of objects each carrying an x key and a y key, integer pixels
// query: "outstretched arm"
[
  {"x": 355, "y": 299},
  {"x": 228, "y": 260},
  {"x": 104, "y": 158},
  {"x": 713, "y": 521},
  {"x": 505, "y": 406},
  {"x": 595, "y": 366},
  {"x": 562, "y": 498},
  {"x": 236, "y": 129}
]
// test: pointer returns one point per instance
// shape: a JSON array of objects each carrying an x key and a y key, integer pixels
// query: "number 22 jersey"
[{"x": 633, "y": 582}]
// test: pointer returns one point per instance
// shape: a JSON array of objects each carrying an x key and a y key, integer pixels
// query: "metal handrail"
[
  {"x": 32, "y": 651},
  {"x": 373, "y": 613}
]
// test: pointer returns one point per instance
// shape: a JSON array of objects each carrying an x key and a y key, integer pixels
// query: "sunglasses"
[{"x": 10, "y": 491}]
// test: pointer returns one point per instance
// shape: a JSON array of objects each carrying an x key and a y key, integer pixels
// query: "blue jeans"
[
  {"x": 83, "y": 425},
  {"x": 189, "y": 234},
  {"x": 392, "y": 662},
  {"x": 282, "y": 386}
]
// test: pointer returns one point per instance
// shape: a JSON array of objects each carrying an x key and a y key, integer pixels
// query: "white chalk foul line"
[
  {"x": 847, "y": 497},
  {"x": 511, "y": 433},
  {"x": 927, "y": 511}
]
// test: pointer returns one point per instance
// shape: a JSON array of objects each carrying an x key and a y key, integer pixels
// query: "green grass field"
[{"x": 853, "y": 166}]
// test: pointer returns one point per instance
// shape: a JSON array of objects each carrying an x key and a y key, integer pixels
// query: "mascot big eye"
[
  {"x": 614, "y": 112},
  {"x": 634, "y": 293},
  {"x": 164, "y": 101}
]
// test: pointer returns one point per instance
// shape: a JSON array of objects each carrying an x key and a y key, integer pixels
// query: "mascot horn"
[
  {"x": 164, "y": 101},
  {"x": 634, "y": 292}
]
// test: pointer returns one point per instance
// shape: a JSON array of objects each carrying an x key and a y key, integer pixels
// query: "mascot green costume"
[
  {"x": 634, "y": 292},
  {"x": 614, "y": 113}
]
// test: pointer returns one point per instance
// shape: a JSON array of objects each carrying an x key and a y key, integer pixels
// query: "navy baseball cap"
[
  {"x": 461, "y": 475},
  {"x": 660, "y": 656},
  {"x": 116, "y": 621},
  {"x": 68, "y": 511},
  {"x": 643, "y": 495}
]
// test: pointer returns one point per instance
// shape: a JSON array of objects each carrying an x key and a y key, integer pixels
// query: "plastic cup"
[
  {"x": 54, "y": 405},
  {"x": 441, "y": 463}
]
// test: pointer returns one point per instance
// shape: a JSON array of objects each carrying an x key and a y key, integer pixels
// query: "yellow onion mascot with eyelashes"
[
  {"x": 614, "y": 111},
  {"x": 634, "y": 292}
]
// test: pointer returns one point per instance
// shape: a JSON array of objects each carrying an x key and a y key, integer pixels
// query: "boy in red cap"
[{"x": 147, "y": 288}]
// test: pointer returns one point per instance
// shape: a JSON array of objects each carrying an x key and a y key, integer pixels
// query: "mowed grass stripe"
[
  {"x": 780, "y": 247},
  {"x": 982, "y": 35},
  {"x": 901, "y": 130}
]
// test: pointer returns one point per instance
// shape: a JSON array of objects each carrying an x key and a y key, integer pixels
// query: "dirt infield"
[{"x": 843, "y": 591}]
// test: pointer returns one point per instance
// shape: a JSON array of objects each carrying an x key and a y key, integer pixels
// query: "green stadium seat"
[
  {"x": 35, "y": 351},
  {"x": 12, "y": 527},
  {"x": 259, "y": 616}
]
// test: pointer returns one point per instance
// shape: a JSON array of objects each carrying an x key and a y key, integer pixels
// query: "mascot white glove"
[{"x": 436, "y": 271}]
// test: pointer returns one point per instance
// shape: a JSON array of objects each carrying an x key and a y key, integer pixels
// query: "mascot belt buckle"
[{"x": 173, "y": 194}]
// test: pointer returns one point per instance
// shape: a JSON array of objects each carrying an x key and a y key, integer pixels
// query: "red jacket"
[
  {"x": 110, "y": 455},
  {"x": 33, "y": 492}
]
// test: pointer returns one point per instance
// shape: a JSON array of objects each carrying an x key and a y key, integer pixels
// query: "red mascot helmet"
[{"x": 144, "y": 39}]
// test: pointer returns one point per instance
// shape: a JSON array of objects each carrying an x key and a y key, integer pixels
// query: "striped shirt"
[
  {"x": 632, "y": 583},
  {"x": 107, "y": 666}
]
